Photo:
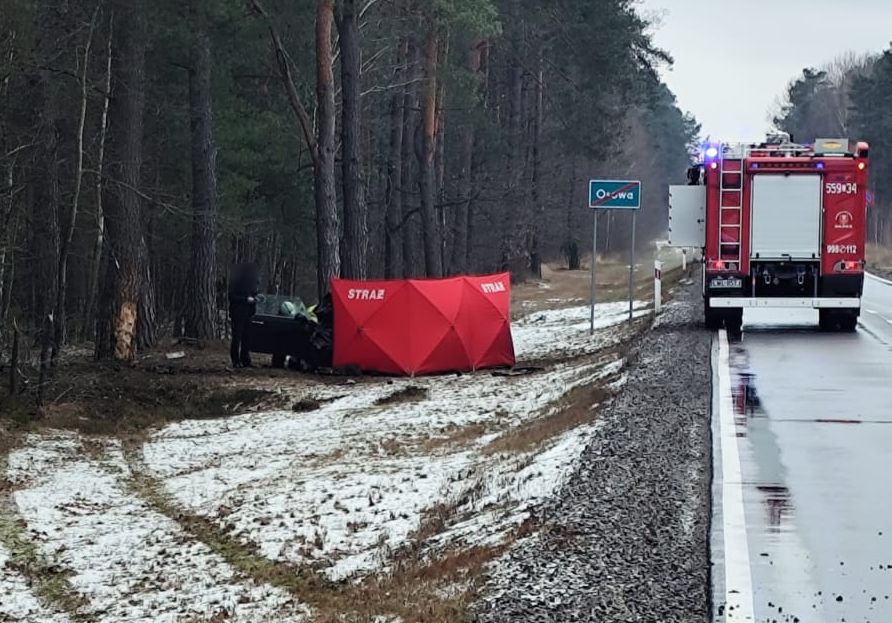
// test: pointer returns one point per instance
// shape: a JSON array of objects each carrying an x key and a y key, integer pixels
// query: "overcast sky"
[{"x": 733, "y": 59}]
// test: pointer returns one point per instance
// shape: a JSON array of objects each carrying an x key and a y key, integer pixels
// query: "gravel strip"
[{"x": 626, "y": 539}]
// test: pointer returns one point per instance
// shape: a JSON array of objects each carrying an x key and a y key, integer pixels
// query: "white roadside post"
[
  {"x": 658, "y": 287},
  {"x": 684, "y": 261},
  {"x": 594, "y": 260},
  {"x": 632, "y": 270}
]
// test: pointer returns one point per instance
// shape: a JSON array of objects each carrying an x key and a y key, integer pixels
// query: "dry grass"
[
  {"x": 560, "y": 287},
  {"x": 575, "y": 409},
  {"x": 455, "y": 435},
  {"x": 130, "y": 403},
  {"x": 441, "y": 589},
  {"x": 879, "y": 260}
]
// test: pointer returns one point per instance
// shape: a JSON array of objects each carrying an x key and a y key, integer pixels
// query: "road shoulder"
[{"x": 626, "y": 539}]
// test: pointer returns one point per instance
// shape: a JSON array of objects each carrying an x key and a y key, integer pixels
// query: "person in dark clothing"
[{"x": 242, "y": 305}]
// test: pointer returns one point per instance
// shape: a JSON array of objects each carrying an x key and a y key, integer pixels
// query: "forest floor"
[{"x": 180, "y": 490}]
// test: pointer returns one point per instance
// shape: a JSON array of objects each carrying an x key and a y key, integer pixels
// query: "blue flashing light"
[
  {"x": 712, "y": 152},
  {"x": 755, "y": 165},
  {"x": 820, "y": 166}
]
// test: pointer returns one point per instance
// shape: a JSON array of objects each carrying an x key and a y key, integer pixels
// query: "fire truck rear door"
[
  {"x": 786, "y": 216},
  {"x": 687, "y": 216}
]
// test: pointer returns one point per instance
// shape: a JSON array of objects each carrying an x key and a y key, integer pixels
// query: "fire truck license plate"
[{"x": 726, "y": 283}]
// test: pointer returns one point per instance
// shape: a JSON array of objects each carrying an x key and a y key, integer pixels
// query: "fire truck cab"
[{"x": 781, "y": 225}]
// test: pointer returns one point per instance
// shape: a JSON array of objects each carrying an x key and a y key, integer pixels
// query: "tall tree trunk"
[
  {"x": 571, "y": 244},
  {"x": 7, "y": 239},
  {"x": 479, "y": 147},
  {"x": 46, "y": 236},
  {"x": 6, "y": 298},
  {"x": 394, "y": 182},
  {"x": 460, "y": 244},
  {"x": 459, "y": 262},
  {"x": 536, "y": 192},
  {"x": 67, "y": 234},
  {"x": 45, "y": 183},
  {"x": 425, "y": 152},
  {"x": 201, "y": 308},
  {"x": 129, "y": 253},
  {"x": 329, "y": 262},
  {"x": 147, "y": 319},
  {"x": 99, "y": 240},
  {"x": 440, "y": 156},
  {"x": 355, "y": 251},
  {"x": 512, "y": 169},
  {"x": 410, "y": 121}
]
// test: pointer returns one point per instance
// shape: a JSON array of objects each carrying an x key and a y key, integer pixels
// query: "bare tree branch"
[
  {"x": 283, "y": 63},
  {"x": 368, "y": 5}
]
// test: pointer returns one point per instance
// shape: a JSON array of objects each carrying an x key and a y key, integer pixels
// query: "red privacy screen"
[{"x": 423, "y": 326}]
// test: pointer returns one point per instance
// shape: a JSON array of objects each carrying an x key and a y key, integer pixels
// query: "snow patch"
[
  {"x": 130, "y": 562},
  {"x": 566, "y": 332}
]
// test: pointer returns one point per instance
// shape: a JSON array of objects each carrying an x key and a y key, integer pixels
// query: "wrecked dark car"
[{"x": 296, "y": 336}]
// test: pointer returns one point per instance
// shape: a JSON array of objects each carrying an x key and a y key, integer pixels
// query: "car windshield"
[{"x": 280, "y": 305}]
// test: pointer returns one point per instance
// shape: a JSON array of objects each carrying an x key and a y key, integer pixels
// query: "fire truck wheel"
[
  {"x": 734, "y": 322},
  {"x": 712, "y": 319},
  {"x": 845, "y": 321},
  {"x": 848, "y": 322}
]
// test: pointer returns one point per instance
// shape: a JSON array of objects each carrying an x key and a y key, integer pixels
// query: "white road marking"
[
  {"x": 874, "y": 312},
  {"x": 880, "y": 279},
  {"x": 739, "y": 604}
]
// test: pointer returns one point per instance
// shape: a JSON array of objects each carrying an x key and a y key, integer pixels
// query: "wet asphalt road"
[{"x": 812, "y": 420}]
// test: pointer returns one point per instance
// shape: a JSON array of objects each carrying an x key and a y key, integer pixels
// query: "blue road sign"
[{"x": 614, "y": 194}]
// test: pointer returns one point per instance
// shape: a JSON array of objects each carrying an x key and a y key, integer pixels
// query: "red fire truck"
[{"x": 780, "y": 225}]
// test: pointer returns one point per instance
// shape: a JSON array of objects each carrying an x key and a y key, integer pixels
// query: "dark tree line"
[
  {"x": 849, "y": 97},
  {"x": 146, "y": 147}
]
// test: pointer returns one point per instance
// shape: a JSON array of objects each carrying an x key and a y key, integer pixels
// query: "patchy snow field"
[
  {"x": 130, "y": 562},
  {"x": 563, "y": 333},
  {"x": 341, "y": 487}
]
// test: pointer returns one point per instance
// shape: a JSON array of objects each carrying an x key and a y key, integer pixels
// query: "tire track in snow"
[
  {"x": 32, "y": 588},
  {"x": 130, "y": 562},
  {"x": 18, "y": 603}
]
